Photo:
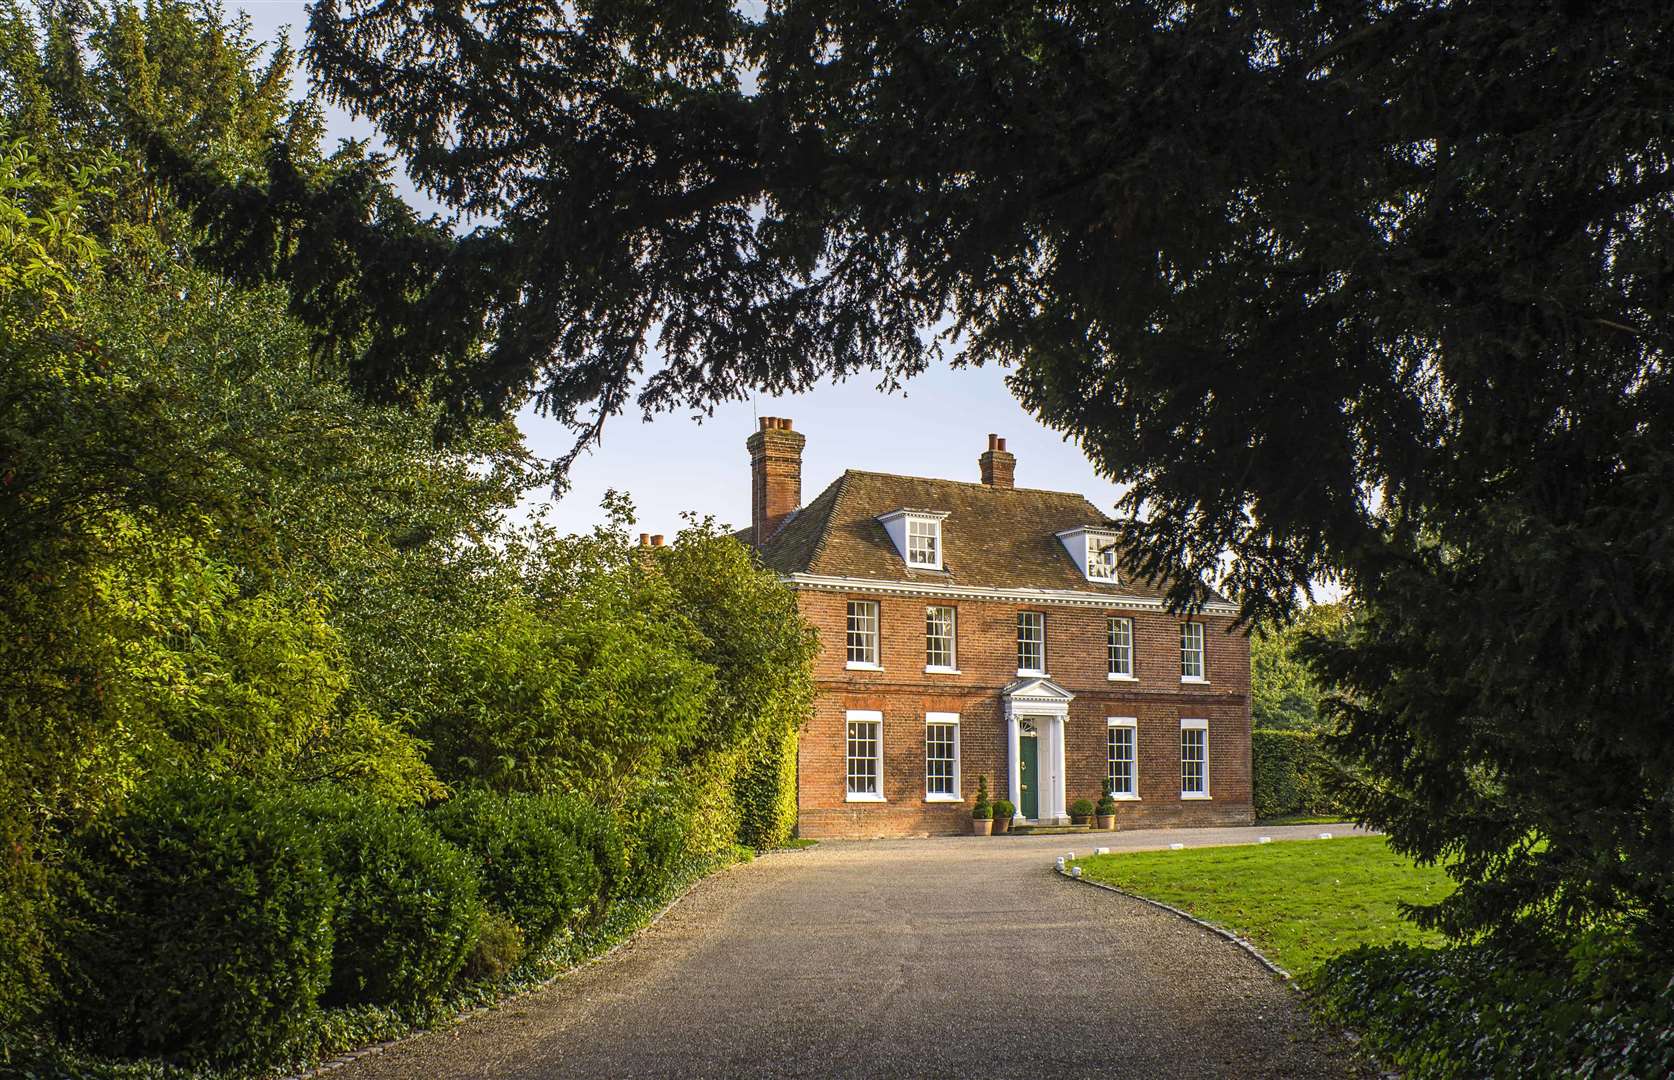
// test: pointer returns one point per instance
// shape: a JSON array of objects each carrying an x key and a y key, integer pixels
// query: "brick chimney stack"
[
  {"x": 775, "y": 476},
  {"x": 998, "y": 467}
]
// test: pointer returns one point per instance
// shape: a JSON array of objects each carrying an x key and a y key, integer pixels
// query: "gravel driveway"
[{"x": 952, "y": 957}]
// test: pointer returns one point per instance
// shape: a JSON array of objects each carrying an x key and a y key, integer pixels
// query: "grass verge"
[
  {"x": 1306, "y": 819},
  {"x": 1300, "y": 902}
]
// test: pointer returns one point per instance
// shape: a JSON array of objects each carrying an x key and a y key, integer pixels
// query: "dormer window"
[
  {"x": 917, "y": 535},
  {"x": 1095, "y": 550}
]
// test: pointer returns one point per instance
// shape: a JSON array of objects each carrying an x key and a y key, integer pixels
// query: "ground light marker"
[
  {"x": 1075, "y": 871},
  {"x": 1177, "y": 847},
  {"x": 1325, "y": 836},
  {"x": 1101, "y": 851},
  {"x": 1264, "y": 839}
]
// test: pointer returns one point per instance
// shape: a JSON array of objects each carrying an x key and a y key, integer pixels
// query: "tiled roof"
[{"x": 996, "y": 538}]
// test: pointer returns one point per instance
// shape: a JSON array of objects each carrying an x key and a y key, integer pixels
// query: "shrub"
[
  {"x": 1107, "y": 806},
  {"x": 1004, "y": 808},
  {"x": 408, "y": 909},
  {"x": 982, "y": 811},
  {"x": 1081, "y": 808},
  {"x": 1493, "y": 1010},
  {"x": 1291, "y": 773},
  {"x": 497, "y": 948},
  {"x": 532, "y": 866},
  {"x": 200, "y": 927},
  {"x": 765, "y": 790},
  {"x": 25, "y": 904},
  {"x": 658, "y": 826}
]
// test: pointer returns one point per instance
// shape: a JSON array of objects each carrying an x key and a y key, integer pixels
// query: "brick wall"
[{"x": 987, "y": 661}]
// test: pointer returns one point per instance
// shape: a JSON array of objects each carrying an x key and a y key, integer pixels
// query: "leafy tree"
[
  {"x": 1371, "y": 291},
  {"x": 1284, "y": 692}
]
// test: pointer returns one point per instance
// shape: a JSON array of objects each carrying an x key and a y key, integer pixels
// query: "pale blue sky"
[{"x": 674, "y": 463}]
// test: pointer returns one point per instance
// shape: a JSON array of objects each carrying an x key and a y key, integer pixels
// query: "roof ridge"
[
  {"x": 966, "y": 483},
  {"x": 842, "y": 485}
]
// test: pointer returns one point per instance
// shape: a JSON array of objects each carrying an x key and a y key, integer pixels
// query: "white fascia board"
[{"x": 1058, "y": 597}]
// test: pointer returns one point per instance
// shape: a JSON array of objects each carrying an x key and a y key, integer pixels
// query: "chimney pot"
[
  {"x": 644, "y": 539},
  {"x": 657, "y": 540}
]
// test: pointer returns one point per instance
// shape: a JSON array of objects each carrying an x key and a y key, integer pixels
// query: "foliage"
[
  {"x": 1106, "y": 806},
  {"x": 533, "y": 866},
  {"x": 1284, "y": 693},
  {"x": 1292, "y": 773},
  {"x": 1484, "y": 1010},
  {"x": 982, "y": 810},
  {"x": 496, "y": 948},
  {"x": 1300, "y": 902},
  {"x": 1389, "y": 308},
  {"x": 201, "y": 925},
  {"x": 407, "y": 910},
  {"x": 1004, "y": 809},
  {"x": 1081, "y": 808}
]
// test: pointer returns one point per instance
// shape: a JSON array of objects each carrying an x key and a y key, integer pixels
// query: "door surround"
[{"x": 1045, "y": 704}]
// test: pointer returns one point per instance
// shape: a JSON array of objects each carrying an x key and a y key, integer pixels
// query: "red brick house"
[{"x": 984, "y": 629}]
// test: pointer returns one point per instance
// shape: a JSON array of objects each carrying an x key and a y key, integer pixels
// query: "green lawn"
[{"x": 1300, "y": 902}]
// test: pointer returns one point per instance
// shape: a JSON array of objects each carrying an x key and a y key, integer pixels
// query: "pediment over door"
[{"x": 1036, "y": 690}]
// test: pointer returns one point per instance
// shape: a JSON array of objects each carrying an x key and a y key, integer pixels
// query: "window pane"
[
  {"x": 863, "y": 632},
  {"x": 1121, "y": 774},
  {"x": 1101, "y": 560},
  {"x": 1121, "y": 646},
  {"x": 1031, "y": 641},
  {"x": 1191, "y": 650},
  {"x": 1194, "y": 759},
  {"x": 863, "y": 757},
  {"x": 940, "y": 750},
  {"x": 939, "y": 637}
]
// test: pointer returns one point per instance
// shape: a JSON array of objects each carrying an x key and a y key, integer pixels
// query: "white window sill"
[
  {"x": 924, "y": 566},
  {"x": 1125, "y": 798},
  {"x": 1122, "y": 678},
  {"x": 1194, "y": 680},
  {"x": 943, "y": 798},
  {"x": 853, "y": 665},
  {"x": 1029, "y": 673},
  {"x": 933, "y": 670},
  {"x": 860, "y": 796},
  {"x": 1195, "y": 796}
]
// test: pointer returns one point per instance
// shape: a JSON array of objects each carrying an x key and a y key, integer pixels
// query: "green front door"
[{"x": 1028, "y": 757}]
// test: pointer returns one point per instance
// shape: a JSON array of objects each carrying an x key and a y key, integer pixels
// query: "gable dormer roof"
[{"x": 992, "y": 537}]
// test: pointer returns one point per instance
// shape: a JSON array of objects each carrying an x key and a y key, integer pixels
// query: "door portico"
[{"x": 1042, "y": 705}]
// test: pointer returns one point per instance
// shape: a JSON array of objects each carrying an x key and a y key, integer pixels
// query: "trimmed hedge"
[
  {"x": 200, "y": 925},
  {"x": 536, "y": 858},
  {"x": 765, "y": 790},
  {"x": 1488, "y": 1011},
  {"x": 1291, "y": 773},
  {"x": 408, "y": 910}
]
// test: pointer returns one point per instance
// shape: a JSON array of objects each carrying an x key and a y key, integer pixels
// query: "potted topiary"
[
  {"x": 1003, "y": 810},
  {"x": 1081, "y": 811},
  {"x": 982, "y": 814},
  {"x": 1106, "y": 815}
]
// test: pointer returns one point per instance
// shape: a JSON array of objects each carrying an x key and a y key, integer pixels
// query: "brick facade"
[
  {"x": 1076, "y": 657},
  {"x": 996, "y": 549}
]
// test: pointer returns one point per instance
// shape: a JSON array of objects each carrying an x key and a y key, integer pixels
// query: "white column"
[
  {"x": 1016, "y": 764},
  {"x": 1060, "y": 804}
]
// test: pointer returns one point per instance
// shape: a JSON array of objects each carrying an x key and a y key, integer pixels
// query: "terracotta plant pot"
[
  {"x": 1106, "y": 822},
  {"x": 982, "y": 826},
  {"x": 1002, "y": 825},
  {"x": 1079, "y": 819}
]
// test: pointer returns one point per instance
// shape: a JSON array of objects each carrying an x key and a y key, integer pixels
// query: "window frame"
[
  {"x": 872, "y": 664},
  {"x": 1202, "y": 652},
  {"x": 1201, "y": 727},
  {"x": 946, "y": 720},
  {"x": 1097, "y": 544},
  {"x": 952, "y": 665},
  {"x": 1129, "y": 724},
  {"x": 874, "y": 718},
  {"x": 1040, "y": 620},
  {"x": 1111, "y": 622},
  {"x": 934, "y": 525}
]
